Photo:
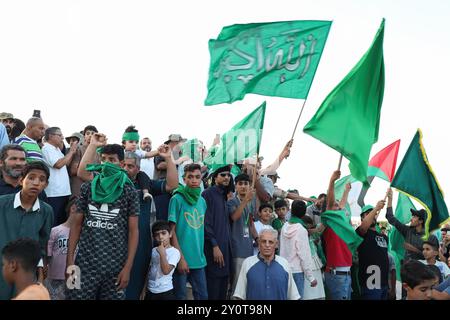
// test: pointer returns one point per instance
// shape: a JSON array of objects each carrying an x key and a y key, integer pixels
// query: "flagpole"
[
  {"x": 254, "y": 171},
  {"x": 340, "y": 162},
  {"x": 298, "y": 119}
]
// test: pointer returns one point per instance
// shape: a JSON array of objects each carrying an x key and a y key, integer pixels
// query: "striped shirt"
[{"x": 32, "y": 149}]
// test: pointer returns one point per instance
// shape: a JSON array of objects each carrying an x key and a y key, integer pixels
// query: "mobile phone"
[{"x": 37, "y": 113}]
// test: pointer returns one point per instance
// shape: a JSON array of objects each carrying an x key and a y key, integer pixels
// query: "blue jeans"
[
  {"x": 374, "y": 294},
  {"x": 339, "y": 286},
  {"x": 299, "y": 279},
  {"x": 197, "y": 279}
]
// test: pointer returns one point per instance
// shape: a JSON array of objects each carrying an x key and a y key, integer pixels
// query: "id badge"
[{"x": 246, "y": 233}]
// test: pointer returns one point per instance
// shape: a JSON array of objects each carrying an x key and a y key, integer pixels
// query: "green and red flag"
[
  {"x": 349, "y": 118},
  {"x": 340, "y": 224},
  {"x": 383, "y": 164},
  {"x": 416, "y": 179},
  {"x": 272, "y": 59}
]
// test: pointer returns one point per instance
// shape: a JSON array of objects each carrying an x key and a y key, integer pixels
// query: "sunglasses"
[{"x": 224, "y": 174}]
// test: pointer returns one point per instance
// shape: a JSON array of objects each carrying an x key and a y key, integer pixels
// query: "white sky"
[{"x": 116, "y": 63}]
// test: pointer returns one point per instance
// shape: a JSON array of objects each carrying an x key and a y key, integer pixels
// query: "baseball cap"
[
  {"x": 421, "y": 214},
  {"x": 366, "y": 208}
]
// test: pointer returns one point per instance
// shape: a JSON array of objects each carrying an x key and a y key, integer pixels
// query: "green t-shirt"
[{"x": 190, "y": 229}]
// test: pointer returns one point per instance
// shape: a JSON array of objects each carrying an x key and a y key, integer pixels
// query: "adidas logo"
[{"x": 103, "y": 215}]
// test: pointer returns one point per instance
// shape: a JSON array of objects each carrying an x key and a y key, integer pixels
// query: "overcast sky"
[{"x": 116, "y": 63}]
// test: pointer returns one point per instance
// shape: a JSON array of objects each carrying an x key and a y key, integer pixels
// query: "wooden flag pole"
[
  {"x": 298, "y": 119},
  {"x": 254, "y": 171},
  {"x": 340, "y": 162}
]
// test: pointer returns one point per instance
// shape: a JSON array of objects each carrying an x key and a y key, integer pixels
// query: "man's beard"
[{"x": 13, "y": 172}]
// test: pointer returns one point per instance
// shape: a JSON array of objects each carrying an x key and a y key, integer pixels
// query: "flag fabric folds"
[
  {"x": 416, "y": 179},
  {"x": 340, "y": 224},
  {"x": 241, "y": 142},
  {"x": 272, "y": 59},
  {"x": 348, "y": 120}
]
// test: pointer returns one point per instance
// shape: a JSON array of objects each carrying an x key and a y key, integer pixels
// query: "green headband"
[{"x": 130, "y": 136}]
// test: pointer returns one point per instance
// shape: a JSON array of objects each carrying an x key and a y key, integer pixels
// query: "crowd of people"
[{"x": 83, "y": 219}]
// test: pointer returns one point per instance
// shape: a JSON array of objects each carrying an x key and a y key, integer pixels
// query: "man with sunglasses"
[{"x": 218, "y": 234}]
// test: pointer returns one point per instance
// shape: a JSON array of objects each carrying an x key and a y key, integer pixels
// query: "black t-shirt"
[{"x": 373, "y": 251}]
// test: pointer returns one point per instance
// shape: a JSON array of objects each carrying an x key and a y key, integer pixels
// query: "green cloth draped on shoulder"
[
  {"x": 108, "y": 185},
  {"x": 338, "y": 222},
  {"x": 191, "y": 195},
  {"x": 294, "y": 219}
]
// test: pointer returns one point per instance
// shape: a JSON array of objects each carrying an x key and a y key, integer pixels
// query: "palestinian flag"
[{"x": 381, "y": 165}]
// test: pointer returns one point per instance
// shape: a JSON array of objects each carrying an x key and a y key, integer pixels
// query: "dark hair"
[
  {"x": 242, "y": 177},
  {"x": 131, "y": 129},
  {"x": 436, "y": 271},
  {"x": 114, "y": 149},
  {"x": 307, "y": 219},
  {"x": 72, "y": 200},
  {"x": 298, "y": 208},
  {"x": 17, "y": 129},
  {"x": 414, "y": 273},
  {"x": 160, "y": 225},
  {"x": 280, "y": 204},
  {"x": 264, "y": 205},
  {"x": 50, "y": 131},
  {"x": 36, "y": 165},
  {"x": 192, "y": 167},
  {"x": 8, "y": 147},
  {"x": 26, "y": 251},
  {"x": 89, "y": 128},
  {"x": 321, "y": 195}
]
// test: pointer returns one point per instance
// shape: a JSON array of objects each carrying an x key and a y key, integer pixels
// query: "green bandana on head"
[
  {"x": 130, "y": 136},
  {"x": 108, "y": 185},
  {"x": 191, "y": 195}
]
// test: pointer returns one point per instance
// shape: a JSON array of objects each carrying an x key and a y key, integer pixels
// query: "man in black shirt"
[{"x": 373, "y": 256}]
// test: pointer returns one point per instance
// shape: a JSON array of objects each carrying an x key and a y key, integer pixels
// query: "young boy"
[
  {"x": 418, "y": 280},
  {"x": 19, "y": 259},
  {"x": 57, "y": 254},
  {"x": 164, "y": 260},
  {"x": 281, "y": 210},
  {"x": 430, "y": 252},
  {"x": 130, "y": 140},
  {"x": 23, "y": 215},
  {"x": 265, "y": 215}
]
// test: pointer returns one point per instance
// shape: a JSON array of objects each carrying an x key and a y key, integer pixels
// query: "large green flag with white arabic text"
[
  {"x": 348, "y": 120},
  {"x": 272, "y": 59}
]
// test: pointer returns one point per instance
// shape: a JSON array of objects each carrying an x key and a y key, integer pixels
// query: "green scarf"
[
  {"x": 191, "y": 195},
  {"x": 108, "y": 185},
  {"x": 297, "y": 220},
  {"x": 130, "y": 136},
  {"x": 338, "y": 222}
]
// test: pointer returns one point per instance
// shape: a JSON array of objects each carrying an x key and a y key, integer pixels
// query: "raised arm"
[
  {"x": 172, "y": 173},
  {"x": 330, "y": 193},
  {"x": 403, "y": 229},
  {"x": 236, "y": 215},
  {"x": 97, "y": 140},
  {"x": 276, "y": 164},
  {"x": 369, "y": 218}
]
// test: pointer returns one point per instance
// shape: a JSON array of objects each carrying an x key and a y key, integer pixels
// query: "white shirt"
[
  {"x": 445, "y": 270},
  {"x": 148, "y": 166},
  {"x": 58, "y": 183},
  {"x": 157, "y": 281}
]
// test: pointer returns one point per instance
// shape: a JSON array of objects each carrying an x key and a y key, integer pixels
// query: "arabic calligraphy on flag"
[{"x": 272, "y": 59}]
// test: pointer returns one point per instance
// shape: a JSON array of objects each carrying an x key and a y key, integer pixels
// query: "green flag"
[
  {"x": 348, "y": 120},
  {"x": 396, "y": 240},
  {"x": 273, "y": 59},
  {"x": 241, "y": 142},
  {"x": 416, "y": 179},
  {"x": 192, "y": 149},
  {"x": 339, "y": 223}
]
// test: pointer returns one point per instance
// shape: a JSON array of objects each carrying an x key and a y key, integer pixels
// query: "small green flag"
[
  {"x": 193, "y": 149},
  {"x": 241, "y": 142},
  {"x": 349, "y": 118},
  {"x": 396, "y": 239},
  {"x": 273, "y": 59},
  {"x": 416, "y": 179}
]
